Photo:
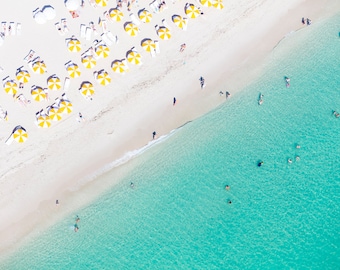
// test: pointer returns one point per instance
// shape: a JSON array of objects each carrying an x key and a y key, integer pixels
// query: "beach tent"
[
  {"x": 116, "y": 14},
  {"x": 40, "y": 17},
  {"x": 119, "y": 66},
  {"x": 38, "y": 93},
  {"x": 49, "y": 12},
  {"x": 145, "y": 16},
  {"x": 53, "y": 82},
  {"x": 164, "y": 33},
  {"x": 131, "y": 29},
  {"x": 218, "y": 4},
  {"x": 74, "y": 45},
  {"x": 44, "y": 121},
  {"x": 102, "y": 51},
  {"x": 23, "y": 76},
  {"x": 192, "y": 11},
  {"x": 10, "y": 87},
  {"x": 89, "y": 61},
  {"x": 54, "y": 113},
  {"x": 134, "y": 57},
  {"x": 148, "y": 45},
  {"x": 72, "y": 4},
  {"x": 86, "y": 89},
  {"x": 19, "y": 134},
  {"x": 103, "y": 78},
  {"x": 65, "y": 106},
  {"x": 39, "y": 67}
]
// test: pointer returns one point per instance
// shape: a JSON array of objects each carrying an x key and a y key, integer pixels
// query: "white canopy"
[
  {"x": 49, "y": 12},
  {"x": 40, "y": 17},
  {"x": 72, "y": 4}
]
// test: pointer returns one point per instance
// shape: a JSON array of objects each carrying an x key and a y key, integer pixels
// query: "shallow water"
[{"x": 177, "y": 216}]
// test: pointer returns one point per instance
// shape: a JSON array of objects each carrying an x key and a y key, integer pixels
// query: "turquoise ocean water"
[{"x": 177, "y": 216}]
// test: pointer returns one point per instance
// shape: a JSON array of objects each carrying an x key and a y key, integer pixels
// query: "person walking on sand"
[
  {"x": 183, "y": 46},
  {"x": 153, "y": 135},
  {"x": 174, "y": 103},
  {"x": 202, "y": 81}
]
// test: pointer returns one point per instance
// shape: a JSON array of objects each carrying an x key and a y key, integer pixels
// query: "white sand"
[{"x": 54, "y": 162}]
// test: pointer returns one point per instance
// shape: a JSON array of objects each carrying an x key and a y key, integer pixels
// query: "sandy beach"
[{"x": 225, "y": 46}]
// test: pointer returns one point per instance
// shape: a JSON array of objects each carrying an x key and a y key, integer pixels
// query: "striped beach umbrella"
[
  {"x": 39, "y": 67},
  {"x": 11, "y": 87},
  {"x": 179, "y": 21},
  {"x": 73, "y": 70},
  {"x": 119, "y": 66},
  {"x": 131, "y": 29},
  {"x": 164, "y": 33},
  {"x": 206, "y": 3},
  {"x": 145, "y": 16},
  {"x": 148, "y": 45},
  {"x": 86, "y": 89},
  {"x": 116, "y": 14},
  {"x": 53, "y": 83},
  {"x": 74, "y": 45},
  {"x": 54, "y": 113},
  {"x": 134, "y": 57},
  {"x": 65, "y": 106},
  {"x": 101, "y": 3},
  {"x": 44, "y": 121},
  {"x": 102, "y": 51},
  {"x": 38, "y": 93},
  {"x": 192, "y": 11},
  {"x": 20, "y": 135},
  {"x": 23, "y": 76},
  {"x": 89, "y": 61},
  {"x": 103, "y": 78},
  {"x": 218, "y": 4}
]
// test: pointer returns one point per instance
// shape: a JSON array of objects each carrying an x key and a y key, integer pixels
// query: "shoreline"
[{"x": 102, "y": 152}]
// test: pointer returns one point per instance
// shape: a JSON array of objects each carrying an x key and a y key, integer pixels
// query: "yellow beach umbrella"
[
  {"x": 54, "y": 113},
  {"x": 134, "y": 57},
  {"x": 20, "y": 135},
  {"x": 23, "y": 76},
  {"x": 102, "y": 51},
  {"x": 148, "y": 45},
  {"x": 53, "y": 83},
  {"x": 192, "y": 11},
  {"x": 206, "y": 3},
  {"x": 86, "y": 89},
  {"x": 39, "y": 67},
  {"x": 164, "y": 33},
  {"x": 89, "y": 61},
  {"x": 74, "y": 45},
  {"x": 73, "y": 70},
  {"x": 119, "y": 67},
  {"x": 116, "y": 14},
  {"x": 101, "y": 3},
  {"x": 103, "y": 78},
  {"x": 38, "y": 94},
  {"x": 179, "y": 21},
  {"x": 44, "y": 121},
  {"x": 145, "y": 16},
  {"x": 65, "y": 106},
  {"x": 218, "y": 4},
  {"x": 11, "y": 87},
  {"x": 131, "y": 29}
]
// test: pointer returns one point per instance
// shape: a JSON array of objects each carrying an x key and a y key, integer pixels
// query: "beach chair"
[
  {"x": 66, "y": 85},
  {"x": 29, "y": 56},
  {"x": 82, "y": 30},
  {"x": 12, "y": 28},
  {"x": 88, "y": 33},
  {"x": 23, "y": 100},
  {"x": 134, "y": 19},
  {"x": 166, "y": 24},
  {"x": 157, "y": 49},
  {"x": 18, "y": 29},
  {"x": 153, "y": 53},
  {"x": 113, "y": 38},
  {"x": 106, "y": 40}
]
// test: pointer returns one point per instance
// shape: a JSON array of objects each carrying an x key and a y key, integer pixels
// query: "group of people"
[{"x": 306, "y": 21}]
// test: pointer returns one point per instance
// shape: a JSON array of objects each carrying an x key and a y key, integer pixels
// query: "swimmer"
[
  {"x": 132, "y": 185},
  {"x": 290, "y": 160},
  {"x": 297, "y": 158},
  {"x": 229, "y": 201},
  {"x": 260, "y": 164},
  {"x": 227, "y": 187},
  {"x": 76, "y": 228},
  {"x": 77, "y": 219},
  {"x": 297, "y": 146}
]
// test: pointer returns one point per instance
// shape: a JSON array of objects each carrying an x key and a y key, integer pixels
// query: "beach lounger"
[
  {"x": 66, "y": 85},
  {"x": 93, "y": 3},
  {"x": 64, "y": 25},
  {"x": 186, "y": 24},
  {"x": 12, "y": 28},
  {"x": 88, "y": 33},
  {"x": 18, "y": 29},
  {"x": 113, "y": 38},
  {"x": 104, "y": 26},
  {"x": 82, "y": 30},
  {"x": 59, "y": 29},
  {"x": 9, "y": 140},
  {"x": 1, "y": 69},
  {"x": 134, "y": 19},
  {"x": 153, "y": 53},
  {"x": 94, "y": 30},
  {"x": 5, "y": 28},
  {"x": 23, "y": 100},
  {"x": 3, "y": 114},
  {"x": 154, "y": 6},
  {"x": 2, "y": 38},
  {"x": 157, "y": 49},
  {"x": 106, "y": 40},
  {"x": 166, "y": 24}
]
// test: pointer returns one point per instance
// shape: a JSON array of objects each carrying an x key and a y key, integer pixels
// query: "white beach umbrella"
[
  {"x": 72, "y": 4},
  {"x": 40, "y": 17},
  {"x": 49, "y": 12}
]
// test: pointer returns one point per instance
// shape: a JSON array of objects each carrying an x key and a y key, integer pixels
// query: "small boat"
[{"x": 260, "y": 99}]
